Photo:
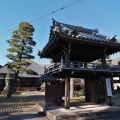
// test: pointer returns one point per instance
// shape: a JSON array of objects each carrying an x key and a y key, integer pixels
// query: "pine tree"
[{"x": 21, "y": 47}]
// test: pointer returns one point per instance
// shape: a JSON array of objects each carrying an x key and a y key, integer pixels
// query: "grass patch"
[
  {"x": 78, "y": 99},
  {"x": 17, "y": 97}
]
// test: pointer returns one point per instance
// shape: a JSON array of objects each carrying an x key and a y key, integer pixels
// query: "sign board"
[{"x": 108, "y": 87}]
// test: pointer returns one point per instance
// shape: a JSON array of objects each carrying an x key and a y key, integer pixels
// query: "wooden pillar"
[
  {"x": 87, "y": 90},
  {"x": 112, "y": 84},
  {"x": 59, "y": 88},
  {"x": 62, "y": 61},
  {"x": 67, "y": 92},
  {"x": 67, "y": 81},
  {"x": 103, "y": 60},
  {"x": 45, "y": 107},
  {"x": 93, "y": 89},
  {"x": 67, "y": 58}
]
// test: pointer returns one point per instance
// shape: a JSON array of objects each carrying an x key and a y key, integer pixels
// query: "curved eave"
[
  {"x": 48, "y": 45},
  {"x": 68, "y": 39},
  {"x": 90, "y": 41}
]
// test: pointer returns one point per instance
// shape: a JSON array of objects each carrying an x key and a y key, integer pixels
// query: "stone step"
[
  {"x": 40, "y": 106},
  {"x": 104, "y": 115}
]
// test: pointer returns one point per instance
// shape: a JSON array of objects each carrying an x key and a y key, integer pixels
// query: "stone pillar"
[
  {"x": 7, "y": 86},
  {"x": 71, "y": 88}
]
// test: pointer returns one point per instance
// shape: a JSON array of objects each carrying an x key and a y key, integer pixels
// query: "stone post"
[
  {"x": 7, "y": 86},
  {"x": 71, "y": 88}
]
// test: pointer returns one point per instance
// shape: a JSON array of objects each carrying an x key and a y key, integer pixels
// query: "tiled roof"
[
  {"x": 39, "y": 69},
  {"x": 80, "y": 32},
  {"x": 115, "y": 60},
  {"x": 48, "y": 78},
  {"x": 4, "y": 70},
  {"x": 44, "y": 64}
]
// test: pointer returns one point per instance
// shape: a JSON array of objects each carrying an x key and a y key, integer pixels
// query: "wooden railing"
[
  {"x": 53, "y": 67},
  {"x": 81, "y": 66},
  {"x": 11, "y": 107},
  {"x": 84, "y": 65}
]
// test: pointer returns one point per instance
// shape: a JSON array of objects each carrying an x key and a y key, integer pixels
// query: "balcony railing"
[{"x": 81, "y": 66}]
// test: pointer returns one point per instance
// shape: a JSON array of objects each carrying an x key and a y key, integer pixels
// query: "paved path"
[
  {"x": 30, "y": 113},
  {"x": 35, "y": 94},
  {"x": 26, "y": 114}
]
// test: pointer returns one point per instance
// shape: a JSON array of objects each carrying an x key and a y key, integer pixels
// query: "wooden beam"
[{"x": 116, "y": 81}]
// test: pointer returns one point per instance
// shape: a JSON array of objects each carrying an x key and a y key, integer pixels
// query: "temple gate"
[{"x": 74, "y": 51}]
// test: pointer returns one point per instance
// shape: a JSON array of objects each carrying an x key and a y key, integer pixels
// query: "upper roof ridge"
[{"x": 79, "y": 28}]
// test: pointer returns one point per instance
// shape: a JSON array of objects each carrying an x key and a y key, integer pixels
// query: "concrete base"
[
  {"x": 86, "y": 112},
  {"x": 4, "y": 92},
  {"x": 81, "y": 112},
  {"x": 41, "y": 107}
]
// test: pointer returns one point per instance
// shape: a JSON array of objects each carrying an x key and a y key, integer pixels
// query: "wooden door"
[
  {"x": 101, "y": 91},
  {"x": 50, "y": 95}
]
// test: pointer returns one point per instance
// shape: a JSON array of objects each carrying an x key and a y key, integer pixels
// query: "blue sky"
[{"x": 101, "y": 14}]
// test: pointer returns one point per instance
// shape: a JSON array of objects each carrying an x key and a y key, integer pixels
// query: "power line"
[
  {"x": 48, "y": 14},
  {"x": 56, "y": 11},
  {"x": 7, "y": 31}
]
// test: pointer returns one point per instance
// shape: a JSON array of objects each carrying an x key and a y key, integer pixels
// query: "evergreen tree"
[{"x": 21, "y": 46}]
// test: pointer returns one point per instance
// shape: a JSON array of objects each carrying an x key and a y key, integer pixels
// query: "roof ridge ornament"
[
  {"x": 55, "y": 23},
  {"x": 79, "y": 26},
  {"x": 113, "y": 39},
  {"x": 74, "y": 31},
  {"x": 96, "y": 30},
  {"x": 57, "y": 29}
]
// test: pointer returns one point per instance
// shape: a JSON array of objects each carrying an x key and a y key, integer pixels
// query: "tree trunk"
[{"x": 12, "y": 86}]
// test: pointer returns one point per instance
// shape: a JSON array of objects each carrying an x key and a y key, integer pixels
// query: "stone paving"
[
  {"x": 26, "y": 114},
  {"x": 85, "y": 112},
  {"x": 55, "y": 113}
]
